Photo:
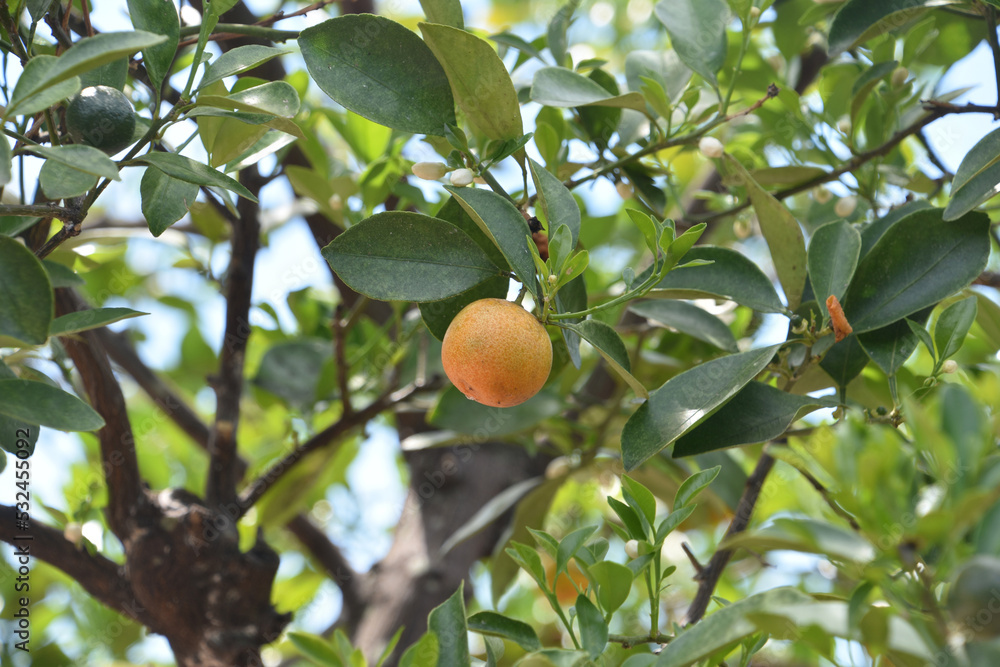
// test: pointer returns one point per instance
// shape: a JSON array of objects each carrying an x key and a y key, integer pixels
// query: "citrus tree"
[{"x": 718, "y": 381}]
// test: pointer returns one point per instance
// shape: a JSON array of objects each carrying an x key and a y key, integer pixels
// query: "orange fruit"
[{"x": 496, "y": 353}]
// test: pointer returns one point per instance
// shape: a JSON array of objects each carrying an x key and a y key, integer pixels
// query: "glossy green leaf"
[
  {"x": 5, "y": 160},
  {"x": 26, "y": 301},
  {"x": 781, "y": 231},
  {"x": 561, "y": 87},
  {"x": 61, "y": 275},
  {"x": 664, "y": 67},
  {"x": 497, "y": 625},
  {"x": 192, "y": 171},
  {"x": 833, "y": 256},
  {"x": 237, "y": 61},
  {"x": 32, "y": 93},
  {"x": 315, "y": 648},
  {"x": 291, "y": 370},
  {"x": 807, "y": 536},
  {"x": 570, "y": 545},
  {"x": 686, "y": 400},
  {"x": 455, "y": 413},
  {"x": 844, "y": 361},
  {"x": 890, "y": 346},
  {"x": 873, "y": 231},
  {"x": 725, "y": 627},
  {"x": 694, "y": 485},
  {"x": 557, "y": 202},
  {"x": 697, "y": 30},
  {"x": 758, "y": 413},
  {"x": 859, "y": 20},
  {"x": 952, "y": 327},
  {"x": 277, "y": 98},
  {"x": 165, "y": 199},
  {"x": 609, "y": 344},
  {"x": 159, "y": 18},
  {"x": 786, "y": 176},
  {"x": 504, "y": 225},
  {"x": 447, "y": 621},
  {"x": 445, "y": 12},
  {"x": 593, "y": 629},
  {"x": 437, "y": 315},
  {"x": 381, "y": 70},
  {"x": 41, "y": 403},
  {"x": 688, "y": 319},
  {"x": 530, "y": 513},
  {"x": 640, "y": 498},
  {"x": 402, "y": 256},
  {"x": 424, "y": 653},
  {"x": 60, "y": 181},
  {"x": 730, "y": 276},
  {"x": 93, "y": 318},
  {"x": 976, "y": 178},
  {"x": 14, "y": 431},
  {"x": 82, "y": 158},
  {"x": 84, "y": 55},
  {"x": 917, "y": 262},
  {"x": 614, "y": 583},
  {"x": 479, "y": 80}
]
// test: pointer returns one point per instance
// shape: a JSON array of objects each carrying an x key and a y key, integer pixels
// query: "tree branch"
[
  {"x": 228, "y": 384},
  {"x": 120, "y": 464},
  {"x": 991, "y": 36},
  {"x": 102, "y": 578},
  {"x": 709, "y": 577}
]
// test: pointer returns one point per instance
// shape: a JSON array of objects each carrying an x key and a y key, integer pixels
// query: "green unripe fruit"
[
  {"x": 974, "y": 597},
  {"x": 102, "y": 117}
]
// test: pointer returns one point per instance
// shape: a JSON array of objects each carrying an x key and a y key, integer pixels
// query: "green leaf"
[
  {"x": 93, "y": 318},
  {"x": 686, "y": 400},
  {"x": 192, "y": 171},
  {"x": 238, "y": 60},
  {"x": 664, "y": 67},
  {"x": 833, "y": 256},
  {"x": 447, "y": 621},
  {"x": 159, "y": 18},
  {"x": 165, "y": 199},
  {"x": 84, "y": 55},
  {"x": 455, "y": 413},
  {"x": 291, "y": 370},
  {"x": 976, "y": 178},
  {"x": 771, "y": 177},
  {"x": 403, "y": 256},
  {"x": 497, "y": 625},
  {"x": 593, "y": 629},
  {"x": 569, "y": 545},
  {"x": 859, "y": 20},
  {"x": 759, "y": 413},
  {"x": 26, "y": 301},
  {"x": 614, "y": 582},
  {"x": 380, "y": 70},
  {"x": 688, "y": 319},
  {"x": 629, "y": 517},
  {"x": 496, "y": 507},
  {"x": 781, "y": 231},
  {"x": 609, "y": 344},
  {"x": 640, "y": 498},
  {"x": 808, "y": 536},
  {"x": 13, "y": 430},
  {"x": 504, "y": 225},
  {"x": 697, "y": 30},
  {"x": 561, "y": 87},
  {"x": 60, "y": 181},
  {"x": 30, "y": 96},
  {"x": 557, "y": 202},
  {"x": 61, "y": 275},
  {"x": 479, "y": 80},
  {"x": 530, "y": 513},
  {"x": 557, "y": 29},
  {"x": 41, "y": 403},
  {"x": 694, "y": 485},
  {"x": 82, "y": 158},
  {"x": 277, "y": 98},
  {"x": 316, "y": 649},
  {"x": 445, "y": 12},
  {"x": 917, "y": 262},
  {"x": 844, "y": 361},
  {"x": 437, "y": 315},
  {"x": 730, "y": 276},
  {"x": 890, "y": 346},
  {"x": 873, "y": 231},
  {"x": 952, "y": 327},
  {"x": 424, "y": 653},
  {"x": 725, "y": 627},
  {"x": 5, "y": 160}
]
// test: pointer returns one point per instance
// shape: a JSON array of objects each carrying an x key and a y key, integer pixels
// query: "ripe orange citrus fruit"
[{"x": 496, "y": 353}]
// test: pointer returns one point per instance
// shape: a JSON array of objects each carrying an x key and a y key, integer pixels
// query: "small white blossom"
[
  {"x": 711, "y": 147},
  {"x": 632, "y": 549},
  {"x": 949, "y": 366},
  {"x": 461, "y": 177},
  {"x": 845, "y": 206},
  {"x": 429, "y": 171}
]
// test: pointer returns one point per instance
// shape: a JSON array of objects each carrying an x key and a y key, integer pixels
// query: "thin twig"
[
  {"x": 709, "y": 577},
  {"x": 628, "y": 641},
  {"x": 991, "y": 36},
  {"x": 281, "y": 16},
  {"x": 698, "y": 567},
  {"x": 343, "y": 371}
]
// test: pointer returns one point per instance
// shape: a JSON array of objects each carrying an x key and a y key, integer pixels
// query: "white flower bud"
[
  {"x": 461, "y": 177},
  {"x": 558, "y": 467},
  {"x": 845, "y": 206},
  {"x": 632, "y": 549},
  {"x": 822, "y": 195},
  {"x": 711, "y": 147},
  {"x": 553, "y": 279},
  {"x": 844, "y": 126},
  {"x": 754, "y": 13},
  {"x": 429, "y": 171},
  {"x": 899, "y": 76},
  {"x": 624, "y": 191},
  {"x": 73, "y": 532},
  {"x": 949, "y": 366}
]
